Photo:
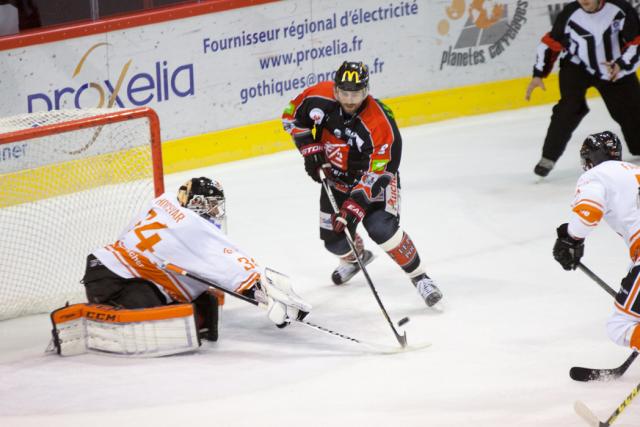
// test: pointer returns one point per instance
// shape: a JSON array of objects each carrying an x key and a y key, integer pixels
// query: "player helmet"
[
  {"x": 352, "y": 76},
  {"x": 204, "y": 196},
  {"x": 600, "y": 147}
]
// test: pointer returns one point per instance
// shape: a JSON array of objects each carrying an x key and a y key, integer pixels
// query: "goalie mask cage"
[{"x": 70, "y": 182}]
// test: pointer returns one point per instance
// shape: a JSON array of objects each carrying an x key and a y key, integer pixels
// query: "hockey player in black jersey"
[
  {"x": 597, "y": 42},
  {"x": 358, "y": 145}
]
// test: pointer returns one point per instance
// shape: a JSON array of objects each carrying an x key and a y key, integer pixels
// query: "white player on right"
[{"x": 607, "y": 189}]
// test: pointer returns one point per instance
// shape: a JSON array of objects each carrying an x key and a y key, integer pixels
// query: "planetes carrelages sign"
[{"x": 478, "y": 31}]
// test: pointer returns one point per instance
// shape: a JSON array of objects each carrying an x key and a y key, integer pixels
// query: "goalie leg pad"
[{"x": 150, "y": 332}]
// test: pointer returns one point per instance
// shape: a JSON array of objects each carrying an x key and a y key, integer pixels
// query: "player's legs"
[
  {"x": 384, "y": 229},
  {"x": 622, "y": 325},
  {"x": 567, "y": 114},
  {"x": 105, "y": 287},
  {"x": 622, "y": 99},
  {"x": 337, "y": 243}
]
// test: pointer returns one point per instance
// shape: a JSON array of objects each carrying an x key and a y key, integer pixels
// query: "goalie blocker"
[{"x": 149, "y": 332}]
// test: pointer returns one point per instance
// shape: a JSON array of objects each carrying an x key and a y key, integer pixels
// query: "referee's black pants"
[{"x": 622, "y": 99}]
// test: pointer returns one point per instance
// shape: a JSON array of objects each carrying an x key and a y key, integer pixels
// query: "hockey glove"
[
  {"x": 283, "y": 305},
  {"x": 314, "y": 159},
  {"x": 282, "y": 314},
  {"x": 349, "y": 216},
  {"x": 567, "y": 250}
]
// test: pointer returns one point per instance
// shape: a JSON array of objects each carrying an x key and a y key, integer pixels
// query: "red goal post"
[{"x": 70, "y": 181}]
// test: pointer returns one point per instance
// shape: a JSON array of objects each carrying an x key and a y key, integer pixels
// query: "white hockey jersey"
[
  {"x": 609, "y": 191},
  {"x": 167, "y": 232}
]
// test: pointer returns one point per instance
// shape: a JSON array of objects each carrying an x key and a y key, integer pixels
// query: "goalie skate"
[{"x": 346, "y": 270}]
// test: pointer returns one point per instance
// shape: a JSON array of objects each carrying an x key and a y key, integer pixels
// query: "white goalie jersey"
[{"x": 167, "y": 233}]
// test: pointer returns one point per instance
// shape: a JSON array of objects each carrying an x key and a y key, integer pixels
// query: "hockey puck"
[{"x": 403, "y": 321}]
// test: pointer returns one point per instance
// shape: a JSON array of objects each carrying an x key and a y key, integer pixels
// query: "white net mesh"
[{"x": 63, "y": 195}]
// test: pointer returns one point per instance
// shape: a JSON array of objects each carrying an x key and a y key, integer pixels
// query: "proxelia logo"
[{"x": 159, "y": 84}]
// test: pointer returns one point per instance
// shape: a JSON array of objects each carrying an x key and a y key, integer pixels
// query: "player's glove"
[
  {"x": 567, "y": 250},
  {"x": 314, "y": 159},
  {"x": 349, "y": 216}
]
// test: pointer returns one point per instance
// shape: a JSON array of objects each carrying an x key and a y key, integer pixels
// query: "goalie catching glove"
[{"x": 283, "y": 305}]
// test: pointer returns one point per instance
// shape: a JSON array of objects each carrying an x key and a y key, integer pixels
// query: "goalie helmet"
[
  {"x": 205, "y": 197},
  {"x": 352, "y": 76},
  {"x": 600, "y": 147}
]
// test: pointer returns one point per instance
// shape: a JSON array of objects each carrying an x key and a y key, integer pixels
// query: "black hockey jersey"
[
  {"x": 612, "y": 33},
  {"x": 362, "y": 148}
]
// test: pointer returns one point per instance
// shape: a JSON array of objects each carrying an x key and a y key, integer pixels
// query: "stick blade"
[
  {"x": 586, "y": 414},
  {"x": 578, "y": 373},
  {"x": 581, "y": 374}
]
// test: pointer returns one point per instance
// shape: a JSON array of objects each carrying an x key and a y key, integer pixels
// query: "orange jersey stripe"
[
  {"x": 622, "y": 309},
  {"x": 589, "y": 214},
  {"x": 634, "y": 250},
  {"x": 635, "y": 338},
  {"x": 249, "y": 282},
  {"x": 589, "y": 201},
  {"x": 147, "y": 270},
  {"x": 632, "y": 296}
]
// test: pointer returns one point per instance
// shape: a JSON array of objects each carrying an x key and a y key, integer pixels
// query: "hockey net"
[{"x": 70, "y": 181}]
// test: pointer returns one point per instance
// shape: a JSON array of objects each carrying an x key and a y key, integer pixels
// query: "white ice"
[{"x": 510, "y": 326}]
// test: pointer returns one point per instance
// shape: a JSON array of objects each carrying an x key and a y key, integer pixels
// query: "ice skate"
[
  {"x": 346, "y": 270},
  {"x": 427, "y": 289},
  {"x": 543, "y": 167}
]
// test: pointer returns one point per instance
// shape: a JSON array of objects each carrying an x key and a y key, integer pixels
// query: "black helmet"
[
  {"x": 204, "y": 196},
  {"x": 352, "y": 76},
  {"x": 600, "y": 147}
]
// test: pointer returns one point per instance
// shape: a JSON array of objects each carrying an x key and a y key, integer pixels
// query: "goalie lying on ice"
[{"x": 137, "y": 307}]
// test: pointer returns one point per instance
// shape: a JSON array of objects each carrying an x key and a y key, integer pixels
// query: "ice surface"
[{"x": 510, "y": 326}]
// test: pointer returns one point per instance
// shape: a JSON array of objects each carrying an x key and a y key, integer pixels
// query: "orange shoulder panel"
[
  {"x": 588, "y": 213},
  {"x": 374, "y": 118},
  {"x": 323, "y": 89}
]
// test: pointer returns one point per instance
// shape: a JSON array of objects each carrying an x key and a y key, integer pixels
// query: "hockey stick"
[
  {"x": 178, "y": 270},
  {"x": 596, "y": 279},
  {"x": 578, "y": 373},
  {"x": 402, "y": 339},
  {"x": 588, "y": 415}
]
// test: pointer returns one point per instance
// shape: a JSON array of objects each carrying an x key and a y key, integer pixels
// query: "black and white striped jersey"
[{"x": 612, "y": 33}]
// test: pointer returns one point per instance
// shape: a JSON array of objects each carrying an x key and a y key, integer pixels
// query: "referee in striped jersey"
[{"x": 597, "y": 41}]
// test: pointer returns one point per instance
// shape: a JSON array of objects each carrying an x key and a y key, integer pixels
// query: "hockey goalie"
[{"x": 138, "y": 307}]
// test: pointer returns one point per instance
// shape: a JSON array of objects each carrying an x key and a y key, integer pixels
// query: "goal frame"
[{"x": 100, "y": 120}]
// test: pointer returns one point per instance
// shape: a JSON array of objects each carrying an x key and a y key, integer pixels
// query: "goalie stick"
[
  {"x": 591, "y": 418},
  {"x": 402, "y": 339},
  {"x": 578, "y": 373},
  {"x": 178, "y": 270}
]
